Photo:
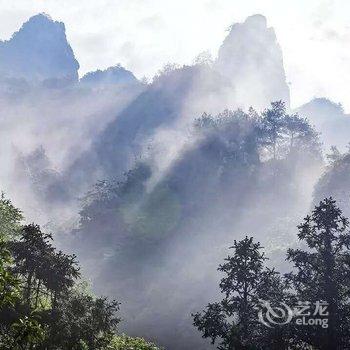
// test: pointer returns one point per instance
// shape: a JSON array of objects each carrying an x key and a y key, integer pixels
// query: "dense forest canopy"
[{"x": 43, "y": 302}]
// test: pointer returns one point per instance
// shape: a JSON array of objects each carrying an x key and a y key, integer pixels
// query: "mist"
[{"x": 150, "y": 182}]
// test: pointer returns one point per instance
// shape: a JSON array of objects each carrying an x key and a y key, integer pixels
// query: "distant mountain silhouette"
[
  {"x": 116, "y": 75},
  {"x": 248, "y": 72},
  {"x": 38, "y": 51},
  {"x": 330, "y": 119}
]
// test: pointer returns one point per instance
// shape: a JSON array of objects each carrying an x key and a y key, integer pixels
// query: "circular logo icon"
[{"x": 277, "y": 315}]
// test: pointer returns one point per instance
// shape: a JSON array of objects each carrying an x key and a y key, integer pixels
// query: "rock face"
[
  {"x": 330, "y": 120},
  {"x": 251, "y": 59},
  {"x": 38, "y": 51},
  {"x": 111, "y": 76}
]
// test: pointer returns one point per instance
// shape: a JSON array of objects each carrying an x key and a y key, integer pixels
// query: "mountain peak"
[
  {"x": 39, "y": 18},
  {"x": 256, "y": 20},
  {"x": 251, "y": 58},
  {"x": 38, "y": 51}
]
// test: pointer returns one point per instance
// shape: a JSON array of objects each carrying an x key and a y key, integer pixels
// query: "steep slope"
[{"x": 38, "y": 51}]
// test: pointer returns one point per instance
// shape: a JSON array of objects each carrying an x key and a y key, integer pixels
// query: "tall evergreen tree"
[
  {"x": 273, "y": 125},
  {"x": 233, "y": 322},
  {"x": 322, "y": 274}
]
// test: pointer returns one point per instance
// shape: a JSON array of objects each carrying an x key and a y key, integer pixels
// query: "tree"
[
  {"x": 60, "y": 275},
  {"x": 82, "y": 319},
  {"x": 49, "y": 313},
  {"x": 273, "y": 124},
  {"x": 9, "y": 285},
  {"x": 9, "y": 226},
  {"x": 10, "y": 218},
  {"x": 38, "y": 263},
  {"x": 124, "y": 342},
  {"x": 233, "y": 322},
  {"x": 285, "y": 134},
  {"x": 30, "y": 254},
  {"x": 41, "y": 305},
  {"x": 299, "y": 136},
  {"x": 334, "y": 155},
  {"x": 16, "y": 332},
  {"x": 26, "y": 333},
  {"x": 322, "y": 273}
]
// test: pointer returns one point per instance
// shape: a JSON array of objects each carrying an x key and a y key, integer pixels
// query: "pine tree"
[
  {"x": 322, "y": 274},
  {"x": 233, "y": 322}
]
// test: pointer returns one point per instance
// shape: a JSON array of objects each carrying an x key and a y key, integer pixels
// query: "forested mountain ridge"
[{"x": 242, "y": 164}]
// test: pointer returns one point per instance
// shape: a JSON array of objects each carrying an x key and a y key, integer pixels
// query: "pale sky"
[{"x": 143, "y": 35}]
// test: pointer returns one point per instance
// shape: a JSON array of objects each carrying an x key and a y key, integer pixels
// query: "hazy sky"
[{"x": 143, "y": 35}]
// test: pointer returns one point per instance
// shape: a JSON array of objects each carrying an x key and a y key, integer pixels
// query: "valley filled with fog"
[{"x": 149, "y": 182}]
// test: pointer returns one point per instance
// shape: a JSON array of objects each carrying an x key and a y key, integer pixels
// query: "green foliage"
[
  {"x": 9, "y": 284},
  {"x": 85, "y": 320},
  {"x": 46, "y": 274},
  {"x": 70, "y": 319},
  {"x": 26, "y": 333},
  {"x": 42, "y": 304},
  {"x": 124, "y": 342},
  {"x": 9, "y": 227},
  {"x": 10, "y": 218}
]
